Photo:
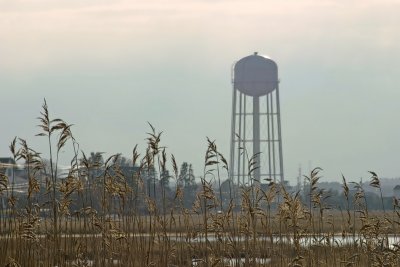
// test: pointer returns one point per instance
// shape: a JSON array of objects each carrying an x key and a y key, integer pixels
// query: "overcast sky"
[{"x": 108, "y": 67}]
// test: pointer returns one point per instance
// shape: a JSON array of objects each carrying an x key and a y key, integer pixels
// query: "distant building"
[
  {"x": 6, "y": 166},
  {"x": 396, "y": 191},
  {"x": 17, "y": 176}
]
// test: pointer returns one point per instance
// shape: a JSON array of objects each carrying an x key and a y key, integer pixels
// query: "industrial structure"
[{"x": 256, "y": 140}]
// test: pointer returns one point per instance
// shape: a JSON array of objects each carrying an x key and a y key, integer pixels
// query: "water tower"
[{"x": 256, "y": 123}]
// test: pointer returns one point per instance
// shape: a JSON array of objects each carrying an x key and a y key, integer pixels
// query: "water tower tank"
[{"x": 255, "y": 75}]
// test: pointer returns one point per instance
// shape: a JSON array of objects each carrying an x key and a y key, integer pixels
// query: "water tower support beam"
[
  {"x": 278, "y": 114},
  {"x": 233, "y": 137},
  {"x": 256, "y": 137},
  {"x": 274, "y": 172},
  {"x": 269, "y": 138},
  {"x": 243, "y": 145},
  {"x": 239, "y": 132}
]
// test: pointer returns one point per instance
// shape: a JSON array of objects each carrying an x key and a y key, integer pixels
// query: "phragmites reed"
[{"x": 146, "y": 211}]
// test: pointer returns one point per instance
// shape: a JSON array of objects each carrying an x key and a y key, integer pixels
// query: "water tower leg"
[
  {"x": 256, "y": 137},
  {"x": 233, "y": 137},
  {"x": 278, "y": 113}
]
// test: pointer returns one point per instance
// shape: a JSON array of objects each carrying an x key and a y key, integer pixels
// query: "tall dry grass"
[{"x": 99, "y": 216}]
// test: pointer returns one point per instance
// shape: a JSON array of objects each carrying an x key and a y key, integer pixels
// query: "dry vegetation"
[{"x": 253, "y": 225}]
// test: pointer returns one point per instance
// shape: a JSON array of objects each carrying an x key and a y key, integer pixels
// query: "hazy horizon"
[{"x": 111, "y": 67}]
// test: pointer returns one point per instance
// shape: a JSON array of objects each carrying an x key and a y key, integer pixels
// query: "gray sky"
[{"x": 108, "y": 67}]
